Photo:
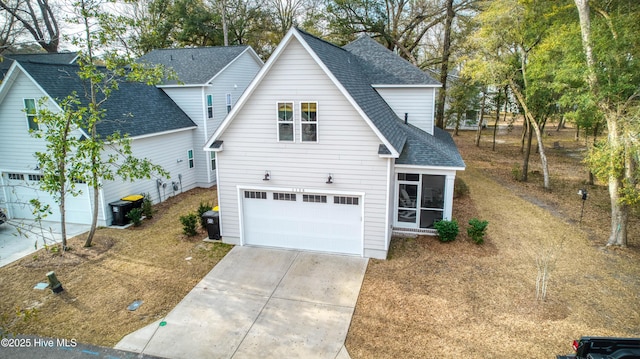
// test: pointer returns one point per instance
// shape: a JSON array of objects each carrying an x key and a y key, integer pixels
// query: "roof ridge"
[
  {"x": 319, "y": 39},
  {"x": 197, "y": 47}
]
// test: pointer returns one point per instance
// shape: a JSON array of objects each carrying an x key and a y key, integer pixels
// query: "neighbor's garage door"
[
  {"x": 318, "y": 222},
  {"x": 22, "y": 187}
]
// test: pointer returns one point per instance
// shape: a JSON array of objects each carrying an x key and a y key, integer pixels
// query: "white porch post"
[{"x": 448, "y": 203}]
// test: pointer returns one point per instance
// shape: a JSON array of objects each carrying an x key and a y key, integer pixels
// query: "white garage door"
[
  {"x": 22, "y": 187},
  {"x": 318, "y": 222}
]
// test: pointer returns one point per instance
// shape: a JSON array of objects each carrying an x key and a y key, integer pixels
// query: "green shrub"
[
  {"x": 203, "y": 207},
  {"x": 447, "y": 230},
  {"x": 135, "y": 215},
  {"x": 477, "y": 230},
  {"x": 147, "y": 206},
  {"x": 460, "y": 188},
  {"x": 516, "y": 172},
  {"x": 189, "y": 224}
]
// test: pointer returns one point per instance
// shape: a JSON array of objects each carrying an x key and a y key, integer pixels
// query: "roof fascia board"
[
  {"x": 345, "y": 93},
  {"x": 8, "y": 80},
  {"x": 405, "y": 86},
  {"x": 249, "y": 91},
  {"x": 162, "y": 133},
  {"x": 254, "y": 55},
  {"x": 181, "y": 86},
  {"x": 433, "y": 168}
]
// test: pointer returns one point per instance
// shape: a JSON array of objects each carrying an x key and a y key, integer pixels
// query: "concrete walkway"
[
  {"x": 21, "y": 237},
  {"x": 261, "y": 303}
]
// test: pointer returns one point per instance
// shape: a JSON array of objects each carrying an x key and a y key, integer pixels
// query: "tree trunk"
[
  {"x": 526, "y": 128},
  {"x": 527, "y": 155},
  {"x": 481, "y": 121},
  {"x": 619, "y": 211},
  {"x": 536, "y": 128},
  {"x": 495, "y": 124},
  {"x": 444, "y": 69}
]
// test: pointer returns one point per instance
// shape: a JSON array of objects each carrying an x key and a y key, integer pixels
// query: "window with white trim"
[
  {"x": 285, "y": 121},
  {"x": 255, "y": 194},
  {"x": 314, "y": 198},
  {"x": 284, "y": 196},
  {"x": 309, "y": 121},
  {"x": 190, "y": 158},
  {"x": 345, "y": 200},
  {"x": 212, "y": 156},
  {"x": 31, "y": 111},
  {"x": 36, "y": 177},
  {"x": 16, "y": 176},
  {"x": 209, "y": 106},
  {"x": 228, "y": 101}
]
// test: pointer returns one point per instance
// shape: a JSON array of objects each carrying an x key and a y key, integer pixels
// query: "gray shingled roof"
[
  {"x": 135, "y": 108},
  {"x": 357, "y": 68},
  {"x": 423, "y": 149},
  {"x": 383, "y": 67},
  {"x": 194, "y": 66},
  {"x": 46, "y": 58},
  {"x": 346, "y": 68}
]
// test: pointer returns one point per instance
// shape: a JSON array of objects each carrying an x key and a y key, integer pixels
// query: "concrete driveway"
[
  {"x": 17, "y": 243},
  {"x": 261, "y": 303}
]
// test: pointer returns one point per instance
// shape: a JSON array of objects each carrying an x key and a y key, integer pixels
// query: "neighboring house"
[
  {"x": 333, "y": 149},
  {"x": 210, "y": 81},
  {"x": 167, "y": 124}
]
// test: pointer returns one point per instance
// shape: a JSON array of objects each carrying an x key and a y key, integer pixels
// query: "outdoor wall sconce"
[
  {"x": 267, "y": 176},
  {"x": 330, "y": 179},
  {"x": 178, "y": 160}
]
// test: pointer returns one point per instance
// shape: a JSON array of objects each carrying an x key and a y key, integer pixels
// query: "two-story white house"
[
  {"x": 333, "y": 149},
  {"x": 167, "y": 124}
]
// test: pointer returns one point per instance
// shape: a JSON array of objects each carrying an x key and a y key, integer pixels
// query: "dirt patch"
[
  {"x": 462, "y": 300},
  {"x": 154, "y": 263}
]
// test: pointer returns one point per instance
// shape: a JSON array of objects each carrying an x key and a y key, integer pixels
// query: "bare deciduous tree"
[{"x": 38, "y": 18}]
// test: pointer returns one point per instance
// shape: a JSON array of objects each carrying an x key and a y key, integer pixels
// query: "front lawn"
[
  {"x": 154, "y": 263},
  {"x": 462, "y": 300}
]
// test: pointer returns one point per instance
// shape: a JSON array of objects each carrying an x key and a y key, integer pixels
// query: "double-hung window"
[
  {"x": 285, "y": 121},
  {"x": 30, "y": 110},
  {"x": 190, "y": 158},
  {"x": 228, "y": 100},
  {"x": 309, "y": 121},
  {"x": 209, "y": 106}
]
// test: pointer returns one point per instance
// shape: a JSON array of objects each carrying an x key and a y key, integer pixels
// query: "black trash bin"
[
  {"x": 135, "y": 199},
  {"x": 212, "y": 220},
  {"x": 119, "y": 211}
]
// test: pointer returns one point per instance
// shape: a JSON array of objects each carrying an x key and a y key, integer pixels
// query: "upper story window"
[
  {"x": 190, "y": 158},
  {"x": 285, "y": 121},
  {"x": 228, "y": 100},
  {"x": 309, "y": 121},
  {"x": 30, "y": 110},
  {"x": 209, "y": 106}
]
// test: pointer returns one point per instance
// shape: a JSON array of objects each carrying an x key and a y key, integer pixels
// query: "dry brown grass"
[
  {"x": 146, "y": 263},
  {"x": 461, "y": 300}
]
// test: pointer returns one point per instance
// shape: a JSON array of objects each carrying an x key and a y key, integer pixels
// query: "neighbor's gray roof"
[
  {"x": 383, "y": 67},
  {"x": 423, "y": 149},
  {"x": 47, "y": 58},
  {"x": 355, "y": 67},
  {"x": 53, "y": 58},
  {"x": 135, "y": 108},
  {"x": 195, "y": 65}
]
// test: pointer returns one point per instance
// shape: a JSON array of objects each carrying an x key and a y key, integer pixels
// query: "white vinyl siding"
[
  {"x": 417, "y": 103},
  {"x": 163, "y": 150},
  {"x": 348, "y": 150},
  {"x": 14, "y": 129}
]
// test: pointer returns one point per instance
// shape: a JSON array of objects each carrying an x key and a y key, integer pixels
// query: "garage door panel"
[
  {"x": 24, "y": 187},
  {"x": 326, "y": 227}
]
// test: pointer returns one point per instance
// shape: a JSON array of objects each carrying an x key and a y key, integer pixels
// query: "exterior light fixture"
[
  {"x": 329, "y": 179},
  {"x": 267, "y": 176}
]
